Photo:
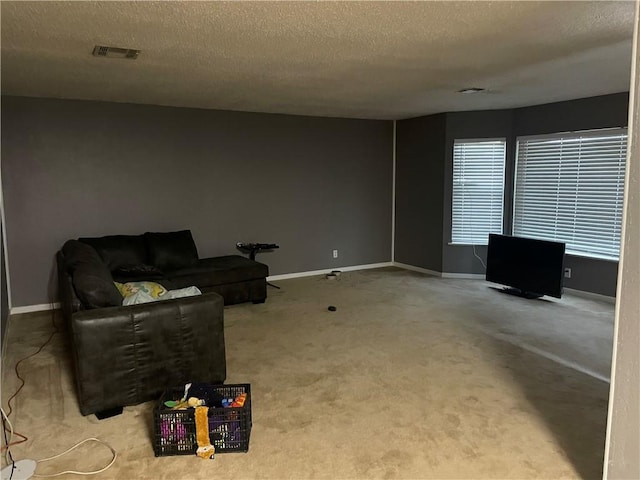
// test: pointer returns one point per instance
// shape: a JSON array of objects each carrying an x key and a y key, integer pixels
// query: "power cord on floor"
[
  {"x": 92, "y": 439},
  {"x": 7, "y": 441},
  {"x": 22, "y": 383},
  {"x": 26, "y": 468},
  {"x": 15, "y": 466}
]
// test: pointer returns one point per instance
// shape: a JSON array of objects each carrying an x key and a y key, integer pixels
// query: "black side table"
[{"x": 253, "y": 248}]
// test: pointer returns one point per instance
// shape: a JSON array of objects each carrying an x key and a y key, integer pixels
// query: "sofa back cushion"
[
  {"x": 171, "y": 250},
  {"x": 119, "y": 251},
  {"x": 132, "y": 273},
  {"x": 91, "y": 278}
]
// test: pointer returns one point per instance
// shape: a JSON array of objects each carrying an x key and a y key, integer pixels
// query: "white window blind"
[
  {"x": 478, "y": 190},
  {"x": 569, "y": 188}
]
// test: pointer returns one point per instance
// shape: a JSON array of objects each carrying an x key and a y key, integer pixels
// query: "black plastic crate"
[{"x": 229, "y": 427}]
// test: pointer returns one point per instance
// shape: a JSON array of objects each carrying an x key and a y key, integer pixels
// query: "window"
[
  {"x": 569, "y": 188},
  {"x": 478, "y": 190}
]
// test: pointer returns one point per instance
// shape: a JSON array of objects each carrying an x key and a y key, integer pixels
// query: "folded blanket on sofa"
[{"x": 142, "y": 296}]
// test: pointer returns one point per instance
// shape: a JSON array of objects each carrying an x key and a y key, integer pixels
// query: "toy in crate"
[{"x": 203, "y": 419}]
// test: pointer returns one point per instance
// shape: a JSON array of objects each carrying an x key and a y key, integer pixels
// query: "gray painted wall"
[
  {"x": 468, "y": 125},
  {"x": 605, "y": 111},
  {"x": 419, "y": 191},
  {"x": 588, "y": 274},
  {"x": 74, "y": 168},
  {"x": 78, "y": 168}
]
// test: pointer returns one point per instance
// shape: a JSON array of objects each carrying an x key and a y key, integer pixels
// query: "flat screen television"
[{"x": 531, "y": 268}]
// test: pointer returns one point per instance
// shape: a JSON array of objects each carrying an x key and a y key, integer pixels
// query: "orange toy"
[
  {"x": 239, "y": 402},
  {"x": 205, "y": 449}
]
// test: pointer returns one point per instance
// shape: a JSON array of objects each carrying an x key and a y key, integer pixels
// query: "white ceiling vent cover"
[{"x": 115, "y": 52}]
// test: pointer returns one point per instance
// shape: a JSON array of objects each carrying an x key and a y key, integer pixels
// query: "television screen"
[{"x": 532, "y": 267}]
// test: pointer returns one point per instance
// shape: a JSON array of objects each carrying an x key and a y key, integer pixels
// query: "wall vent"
[{"x": 115, "y": 52}]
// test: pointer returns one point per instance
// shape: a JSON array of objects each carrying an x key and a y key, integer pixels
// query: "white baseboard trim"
[
  {"x": 591, "y": 295},
  {"x": 464, "y": 276},
  {"x": 34, "y": 308},
  {"x": 417, "y": 269},
  {"x": 460, "y": 276},
  {"x": 287, "y": 276}
]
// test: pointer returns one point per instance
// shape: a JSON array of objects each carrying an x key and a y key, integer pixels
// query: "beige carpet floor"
[{"x": 412, "y": 377}]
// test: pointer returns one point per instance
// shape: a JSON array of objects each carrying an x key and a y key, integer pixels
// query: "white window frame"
[
  {"x": 564, "y": 196},
  {"x": 488, "y": 206}
]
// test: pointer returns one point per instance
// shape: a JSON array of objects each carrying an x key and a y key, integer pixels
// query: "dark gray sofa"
[
  {"x": 125, "y": 355},
  {"x": 171, "y": 259}
]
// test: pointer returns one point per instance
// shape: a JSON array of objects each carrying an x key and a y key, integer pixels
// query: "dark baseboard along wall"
[
  {"x": 608, "y": 111},
  {"x": 80, "y": 168}
]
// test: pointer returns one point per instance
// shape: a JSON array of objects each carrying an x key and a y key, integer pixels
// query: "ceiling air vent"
[{"x": 115, "y": 52}]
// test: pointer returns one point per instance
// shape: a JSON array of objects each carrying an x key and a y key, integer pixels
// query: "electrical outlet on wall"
[
  {"x": 335, "y": 254},
  {"x": 567, "y": 272}
]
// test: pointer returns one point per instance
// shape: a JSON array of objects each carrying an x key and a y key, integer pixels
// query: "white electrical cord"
[
  {"x": 476, "y": 255},
  {"x": 6, "y": 419},
  {"x": 115, "y": 455}
]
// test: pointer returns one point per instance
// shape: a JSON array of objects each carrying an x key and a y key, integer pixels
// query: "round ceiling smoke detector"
[{"x": 471, "y": 90}]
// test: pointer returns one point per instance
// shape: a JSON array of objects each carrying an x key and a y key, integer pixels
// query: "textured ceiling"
[{"x": 385, "y": 60}]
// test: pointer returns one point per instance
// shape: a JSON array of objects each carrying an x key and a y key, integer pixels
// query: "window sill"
[
  {"x": 593, "y": 257},
  {"x": 570, "y": 254},
  {"x": 466, "y": 244}
]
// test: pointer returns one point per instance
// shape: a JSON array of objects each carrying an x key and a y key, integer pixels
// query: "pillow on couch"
[
  {"x": 76, "y": 253},
  {"x": 94, "y": 287},
  {"x": 152, "y": 289},
  {"x": 135, "y": 293},
  {"x": 90, "y": 277},
  {"x": 171, "y": 250}
]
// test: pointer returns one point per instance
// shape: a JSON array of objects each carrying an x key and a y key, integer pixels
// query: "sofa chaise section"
[
  {"x": 171, "y": 259},
  {"x": 128, "y": 355}
]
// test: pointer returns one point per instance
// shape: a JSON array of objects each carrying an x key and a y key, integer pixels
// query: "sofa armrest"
[
  {"x": 69, "y": 301},
  {"x": 127, "y": 355}
]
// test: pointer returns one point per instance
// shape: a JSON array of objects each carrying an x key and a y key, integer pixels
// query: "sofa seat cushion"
[
  {"x": 218, "y": 271},
  {"x": 119, "y": 251}
]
